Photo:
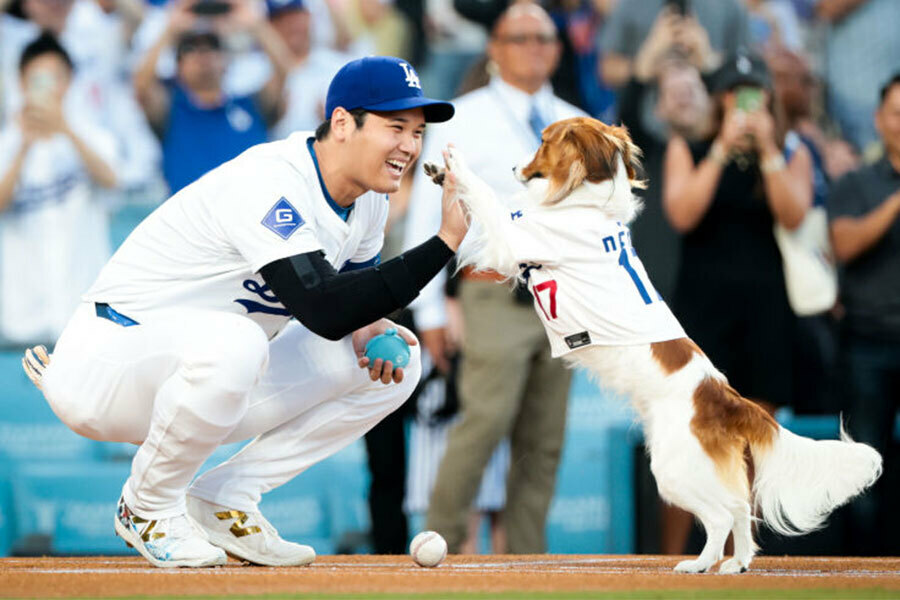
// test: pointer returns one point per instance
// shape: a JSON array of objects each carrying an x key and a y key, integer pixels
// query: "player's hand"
[{"x": 383, "y": 370}]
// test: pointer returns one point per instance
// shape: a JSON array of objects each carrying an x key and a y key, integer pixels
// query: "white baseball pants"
[{"x": 185, "y": 381}]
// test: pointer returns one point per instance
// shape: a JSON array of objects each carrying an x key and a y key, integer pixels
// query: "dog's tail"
[{"x": 799, "y": 481}]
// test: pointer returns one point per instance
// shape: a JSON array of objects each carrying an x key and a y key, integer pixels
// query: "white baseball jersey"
[
  {"x": 204, "y": 247},
  {"x": 589, "y": 285}
]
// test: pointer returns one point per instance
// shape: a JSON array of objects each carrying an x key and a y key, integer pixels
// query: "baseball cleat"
[
  {"x": 247, "y": 535},
  {"x": 173, "y": 542},
  {"x": 35, "y": 362}
]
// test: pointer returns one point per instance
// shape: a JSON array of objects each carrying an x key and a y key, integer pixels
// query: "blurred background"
[{"x": 107, "y": 107}]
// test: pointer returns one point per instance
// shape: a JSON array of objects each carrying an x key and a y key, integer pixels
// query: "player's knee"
[
  {"x": 80, "y": 417},
  {"x": 233, "y": 357}
]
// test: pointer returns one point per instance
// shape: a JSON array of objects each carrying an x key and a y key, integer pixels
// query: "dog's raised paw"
[{"x": 434, "y": 171}]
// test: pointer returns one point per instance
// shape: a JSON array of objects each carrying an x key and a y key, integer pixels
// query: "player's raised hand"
[{"x": 383, "y": 370}]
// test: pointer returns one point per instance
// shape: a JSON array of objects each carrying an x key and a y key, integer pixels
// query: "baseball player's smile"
[{"x": 396, "y": 167}]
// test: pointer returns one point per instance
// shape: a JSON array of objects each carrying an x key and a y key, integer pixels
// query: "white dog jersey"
[
  {"x": 589, "y": 286},
  {"x": 204, "y": 247}
]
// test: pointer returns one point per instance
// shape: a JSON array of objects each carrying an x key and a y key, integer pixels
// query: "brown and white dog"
[{"x": 696, "y": 426}]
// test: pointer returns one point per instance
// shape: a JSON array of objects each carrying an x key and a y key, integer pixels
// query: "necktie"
[{"x": 536, "y": 122}]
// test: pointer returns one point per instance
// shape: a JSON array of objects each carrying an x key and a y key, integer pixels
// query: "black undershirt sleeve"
[{"x": 333, "y": 304}]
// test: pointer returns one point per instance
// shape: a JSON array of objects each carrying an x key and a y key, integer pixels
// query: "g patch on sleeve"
[{"x": 283, "y": 219}]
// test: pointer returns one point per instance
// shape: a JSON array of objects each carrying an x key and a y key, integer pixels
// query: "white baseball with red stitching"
[{"x": 428, "y": 549}]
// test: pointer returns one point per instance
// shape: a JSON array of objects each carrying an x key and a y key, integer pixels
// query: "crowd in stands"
[{"x": 754, "y": 116}]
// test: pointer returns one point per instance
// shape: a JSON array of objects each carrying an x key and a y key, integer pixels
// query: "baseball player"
[{"x": 186, "y": 342}]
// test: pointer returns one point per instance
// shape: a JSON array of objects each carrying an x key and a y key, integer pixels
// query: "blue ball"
[{"x": 388, "y": 346}]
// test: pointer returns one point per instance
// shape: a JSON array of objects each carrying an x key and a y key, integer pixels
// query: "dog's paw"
[
  {"x": 733, "y": 566},
  {"x": 435, "y": 172},
  {"x": 691, "y": 566}
]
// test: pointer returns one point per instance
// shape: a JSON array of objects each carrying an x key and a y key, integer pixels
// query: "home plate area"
[{"x": 386, "y": 576}]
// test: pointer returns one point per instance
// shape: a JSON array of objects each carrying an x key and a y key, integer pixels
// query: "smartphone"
[
  {"x": 749, "y": 99},
  {"x": 679, "y": 7},
  {"x": 209, "y": 8},
  {"x": 41, "y": 87}
]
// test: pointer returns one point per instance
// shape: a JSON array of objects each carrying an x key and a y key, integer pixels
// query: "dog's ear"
[
  {"x": 597, "y": 149},
  {"x": 631, "y": 154},
  {"x": 561, "y": 188}
]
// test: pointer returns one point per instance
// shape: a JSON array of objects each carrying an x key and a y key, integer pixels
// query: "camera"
[{"x": 211, "y": 8}]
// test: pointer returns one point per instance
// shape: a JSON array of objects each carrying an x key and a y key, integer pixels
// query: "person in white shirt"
[
  {"x": 186, "y": 340},
  {"x": 313, "y": 68},
  {"x": 509, "y": 386},
  {"x": 100, "y": 89},
  {"x": 54, "y": 235}
]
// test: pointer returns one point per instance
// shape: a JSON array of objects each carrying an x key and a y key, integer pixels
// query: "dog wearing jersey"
[{"x": 570, "y": 243}]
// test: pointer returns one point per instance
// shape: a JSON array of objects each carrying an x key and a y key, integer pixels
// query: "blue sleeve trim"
[{"x": 356, "y": 266}]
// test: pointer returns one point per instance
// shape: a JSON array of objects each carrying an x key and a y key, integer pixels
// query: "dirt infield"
[{"x": 130, "y": 576}]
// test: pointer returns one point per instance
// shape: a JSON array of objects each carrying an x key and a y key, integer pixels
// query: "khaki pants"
[{"x": 509, "y": 386}]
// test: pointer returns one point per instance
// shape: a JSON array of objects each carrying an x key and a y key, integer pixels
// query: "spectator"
[
  {"x": 773, "y": 24},
  {"x": 53, "y": 234},
  {"x": 664, "y": 96},
  {"x": 862, "y": 51},
  {"x": 454, "y": 43},
  {"x": 311, "y": 72},
  {"x": 509, "y": 386},
  {"x": 864, "y": 216},
  {"x": 96, "y": 36},
  {"x": 724, "y": 194},
  {"x": 724, "y": 22},
  {"x": 199, "y": 124}
]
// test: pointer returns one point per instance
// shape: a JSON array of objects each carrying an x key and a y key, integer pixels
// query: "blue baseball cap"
[
  {"x": 276, "y": 7},
  {"x": 382, "y": 83}
]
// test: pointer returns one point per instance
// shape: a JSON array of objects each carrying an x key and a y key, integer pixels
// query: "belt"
[
  {"x": 104, "y": 311},
  {"x": 470, "y": 274}
]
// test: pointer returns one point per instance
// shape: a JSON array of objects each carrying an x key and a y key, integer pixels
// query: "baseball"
[{"x": 428, "y": 549}]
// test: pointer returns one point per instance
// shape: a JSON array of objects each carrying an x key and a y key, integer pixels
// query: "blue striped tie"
[{"x": 536, "y": 122}]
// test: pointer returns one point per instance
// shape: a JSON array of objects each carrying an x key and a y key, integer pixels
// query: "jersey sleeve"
[
  {"x": 267, "y": 213},
  {"x": 373, "y": 240}
]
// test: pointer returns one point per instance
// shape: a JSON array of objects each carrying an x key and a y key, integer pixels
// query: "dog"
[{"x": 570, "y": 244}]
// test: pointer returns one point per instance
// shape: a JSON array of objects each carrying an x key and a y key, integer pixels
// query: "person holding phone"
[
  {"x": 696, "y": 27},
  {"x": 198, "y": 123},
  {"x": 724, "y": 194},
  {"x": 49, "y": 166}
]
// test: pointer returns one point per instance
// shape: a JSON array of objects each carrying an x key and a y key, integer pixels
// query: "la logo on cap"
[
  {"x": 743, "y": 65},
  {"x": 412, "y": 80}
]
